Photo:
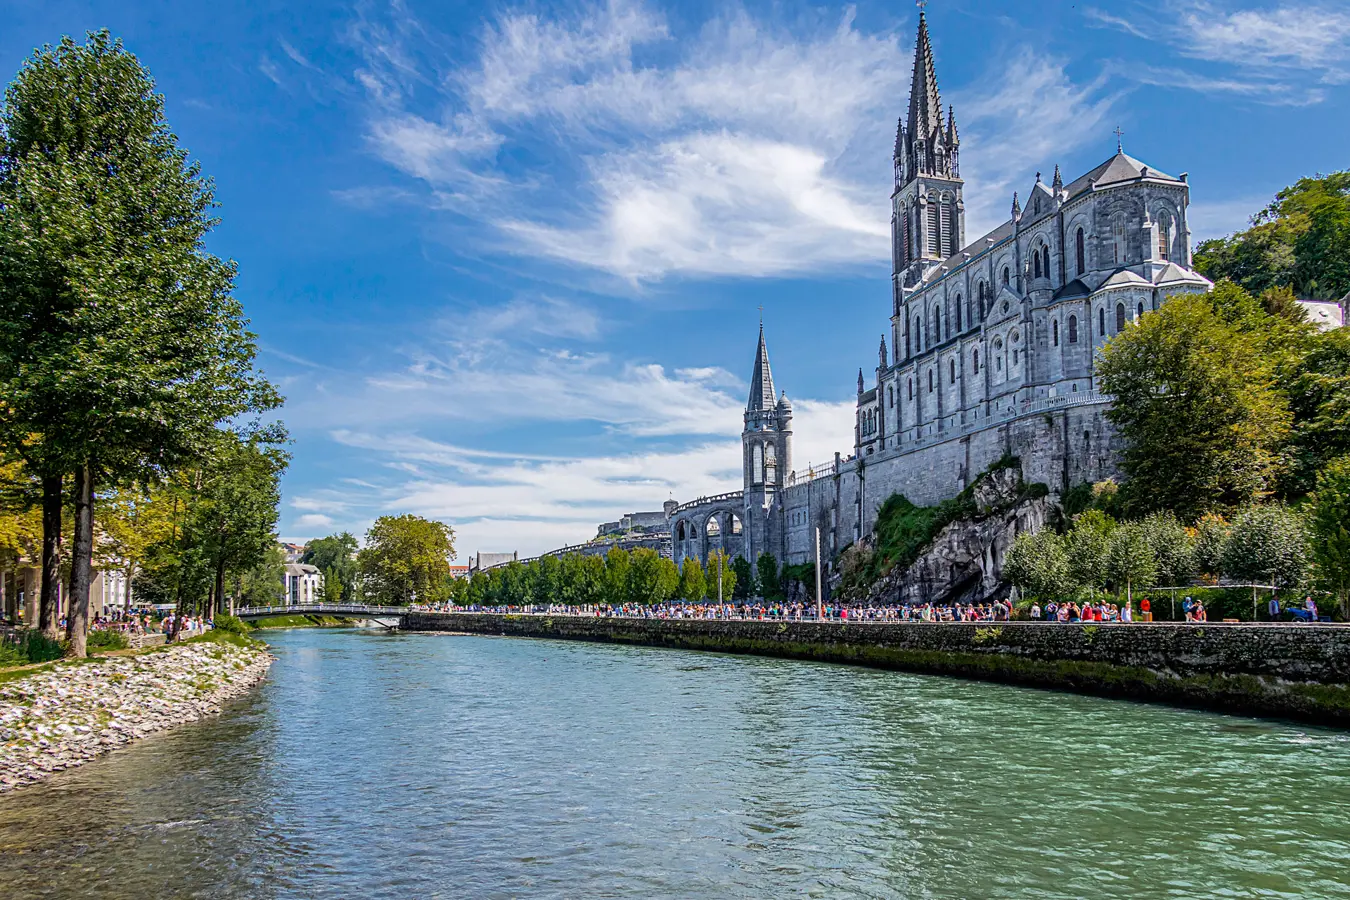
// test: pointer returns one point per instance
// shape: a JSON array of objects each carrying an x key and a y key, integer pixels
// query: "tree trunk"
[
  {"x": 81, "y": 561},
  {"x": 218, "y": 593},
  {"x": 51, "y": 554}
]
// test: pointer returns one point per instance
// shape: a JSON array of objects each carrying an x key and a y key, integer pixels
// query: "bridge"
[{"x": 387, "y": 616}]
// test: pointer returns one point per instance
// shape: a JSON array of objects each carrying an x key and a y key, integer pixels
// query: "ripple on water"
[{"x": 375, "y": 765}]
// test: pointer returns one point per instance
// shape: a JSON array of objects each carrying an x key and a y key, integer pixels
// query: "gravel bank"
[{"x": 67, "y": 715}]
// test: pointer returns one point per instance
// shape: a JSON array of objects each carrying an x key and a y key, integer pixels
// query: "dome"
[{"x": 784, "y": 403}]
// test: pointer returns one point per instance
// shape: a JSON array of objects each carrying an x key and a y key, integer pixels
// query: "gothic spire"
[
  {"x": 1016, "y": 207},
  {"x": 860, "y": 381},
  {"x": 925, "y": 106},
  {"x": 953, "y": 139},
  {"x": 882, "y": 355},
  {"x": 1058, "y": 184},
  {"x": 762, "y": 396}
]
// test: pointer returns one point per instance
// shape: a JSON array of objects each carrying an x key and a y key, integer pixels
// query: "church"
[{"x": 989, "y": 352}]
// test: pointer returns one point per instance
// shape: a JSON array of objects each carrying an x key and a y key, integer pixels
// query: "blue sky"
[{"x": 506, "y": 261}]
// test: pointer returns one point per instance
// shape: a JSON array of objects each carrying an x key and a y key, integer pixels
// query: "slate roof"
[{"x": 762, "y": 395}]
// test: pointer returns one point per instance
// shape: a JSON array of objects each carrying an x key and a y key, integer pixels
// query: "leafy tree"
[
  {"x": 335, "y": 553},
  {"x": 1038, "y": 564},
  {"x": 1331, "y": 530},
  {"x": 744, "y": 579},
  {"x": 1268, "y": 545},
  {"x": 1319, "y": 397},
  {"x": 1088, "y": 544},
  {"x": 121, "y": 346},
  {"x": 718, "y": 562},
  {"x": 20, "y": 522},
  {"x": 1130, "y": 562},
  {"x": 1211, "y": 537},
  {"x": 651, "y": 578},
  {"x": 131, "y": 522},
  {"x": 767, "y": 576},
  {"x": 1197, "y": 406},
  {"x": 264, "y": 582},
  {"x": 1301, "y": 241},
  {"x": 693, "y": 586},
  {"x": 617, "y": 563},
  {"x": 1172, "y": 548},
  {"x": 406, "y": 559},
  {"x": 547, "y": 586}
]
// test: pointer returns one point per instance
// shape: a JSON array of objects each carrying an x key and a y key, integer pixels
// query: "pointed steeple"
[
  {"x": 953, "y": 139},
  {"x": 925, "y": 106},
  {"x": 860, "y": 381},
  {"x": 882, "y": 356},
  {"x": 1016, "y": 208},
  {"x": 762, "y": 396},
  {"x": 1058, "y": 184}
]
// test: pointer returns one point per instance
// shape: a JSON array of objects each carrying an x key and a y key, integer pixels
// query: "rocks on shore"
[{"x": 69, "y": 714}]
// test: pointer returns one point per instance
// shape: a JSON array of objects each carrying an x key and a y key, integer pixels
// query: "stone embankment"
[
  {"x": 1286, "y": 671},
  {"x": 66, "y": 715}
]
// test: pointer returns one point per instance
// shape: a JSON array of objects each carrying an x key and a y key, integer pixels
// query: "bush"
[
  {"x": 102, "y": 639},
  {"x": 30, "y": 647},
  {"x": 231, "y": 624}
]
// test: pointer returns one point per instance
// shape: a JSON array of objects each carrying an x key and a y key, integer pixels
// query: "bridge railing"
[{"x": 318, "y": 609}]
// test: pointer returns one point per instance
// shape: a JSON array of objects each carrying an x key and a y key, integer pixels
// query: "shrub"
[
  {"x": 102, "y": 639},
  {"x": 230, "y": 624},
  {"x": 30, "y": 647}
]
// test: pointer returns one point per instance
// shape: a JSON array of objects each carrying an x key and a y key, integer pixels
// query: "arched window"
[
  {"x": 1054, "y": 333},
  {"x": 937, "y": 325},
  {"x": 1120, "y": 317},
  {"x": 952, "y": 363},
  {"x": 1164, "y": 233},
  {"x": 1045, "y": 253},
  {"x": 1014, "y": 356},
  {"x": 934, "y": 227},
  {"x": 1141, "y": 311},
  {"x": 1101, "y": 321},
  {"x": 1080, "y": 251},
  {"x": 1036, "y": 265},
  {"x": 975, "y": 361},
  {"x": 959, "y": 326},
  {"x": 918, "y": 334},
  {"x": 757, "y": 464},
  {"x": 1118, "y": 238},
  {"x": 890, "y": 397},
  {"x": 1005, "y": 276},
  {"x": 909, "y": 384},
  {"x": 980, "y": 295},
  {"x": 713, "y": 528},
  {"x": 1073, "y": 329},
  {"x": 679, "y": 531},
  {"x": 930, "y": 381}
]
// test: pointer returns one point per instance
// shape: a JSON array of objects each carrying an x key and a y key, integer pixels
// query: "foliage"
[
  {"x": 1171, "y": 546},
  {"x": 1211, "y": 536},
  {"x": 406, "y": 559},
  {"x": 1268, "y": 545},
  {"x": 227, "y": 622},
  {"x": 1038, "y": 563},
  {"x": 1301, "y": 241},
  {"x": 28, "y": 647},
  {"x": 1196, "y": 402},
  {"x": 693, "y": 586},
  {"x": 1330, "y": 525},
  {"x": 857, "y": 572},
  {"x": 335, "y": 556},
  {"x": 1130, "y": 562},
  {"x": 1088, "y": 544},
  {"x": 717, "y": 560},
  {"x": 803, "y": 574},
  {"x": 103, "y": 639},
  {"x": 651, "y": 578},
  {"x": 744, "y": 576},
  {"x": 766, "y": 576},
  {"x": 1319, "y": 397}
]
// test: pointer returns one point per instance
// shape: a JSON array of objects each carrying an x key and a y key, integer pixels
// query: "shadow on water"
[{"x": 385, "y": 765}]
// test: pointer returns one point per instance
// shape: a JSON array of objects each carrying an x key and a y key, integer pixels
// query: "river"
[{"x": 376, "y": 765}]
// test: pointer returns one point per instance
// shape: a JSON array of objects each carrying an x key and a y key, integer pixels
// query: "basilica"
[{"x": 989, "y": 351}]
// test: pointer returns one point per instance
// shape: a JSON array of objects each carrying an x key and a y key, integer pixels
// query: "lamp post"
[{"x": 820, "y": 606}]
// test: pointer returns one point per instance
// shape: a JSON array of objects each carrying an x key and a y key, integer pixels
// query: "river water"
[{"x": 374, "y": 765}]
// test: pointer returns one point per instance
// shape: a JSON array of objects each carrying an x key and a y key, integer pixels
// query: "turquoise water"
[{"x": 376, "y": 765}]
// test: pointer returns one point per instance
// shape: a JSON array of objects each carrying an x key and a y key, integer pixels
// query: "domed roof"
[{"x": 784, "y": 402}]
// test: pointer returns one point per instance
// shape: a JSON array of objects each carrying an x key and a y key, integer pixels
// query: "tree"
[
  {"x": 1172, "y": 548},
  {"x": 1211, "y": 537},
  {"x": 1330, "y": 527},
  {"x": 20, "y": 522},
  {"x": 1300, "y": 241},
  {"x": 132, "y": 521},
  {"x": 1038, "y": 564},
  {"x": 335, "y": 553},
  {"x": 1088, "y": 544},
  {"x": 1130, "y": 562},
  {"x": 767, "y": 569},
  {"x": 1319, "y": 397},
  {"x": 121, "y": 345},
  {"x": 718, "y": 562},
  {"x": 745, "y": 579},
  {"x": 1268, "y": 545},
  {"x": 693, "y": 586},
  {"x": 406, "y": 559},
  {"x": 1197, "y": 406},
  {"x": 651, "y": 579},
  {"x": 264, "y": 582}
]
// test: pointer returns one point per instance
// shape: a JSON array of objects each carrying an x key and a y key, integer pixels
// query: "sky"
[{"x": 507, "y": 261}]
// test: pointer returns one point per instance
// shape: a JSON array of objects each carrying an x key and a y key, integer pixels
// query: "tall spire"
[
  {"x": 925, "y": 106},
  {"x": 762, "y": 396}
]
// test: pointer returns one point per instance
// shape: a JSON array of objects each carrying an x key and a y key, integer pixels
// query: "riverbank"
[
  {"x": 1281, "y": 671},
  {"x": 300, "y": 621},
  {"x": 71, "y": 712}
]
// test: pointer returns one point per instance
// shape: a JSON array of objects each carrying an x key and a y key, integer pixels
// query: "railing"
[
  {"x": 318, "y": 609},
  {"x": 715, "y": 498},
  {"x": 626, "y": 542},
  {"x": 812, "y": 473}
]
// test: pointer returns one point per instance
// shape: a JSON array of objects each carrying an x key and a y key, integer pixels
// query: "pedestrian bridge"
[{"x": 387, "y": 616}]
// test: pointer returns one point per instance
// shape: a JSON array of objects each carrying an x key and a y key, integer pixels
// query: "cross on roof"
[{"x": 1118, "y": 133}]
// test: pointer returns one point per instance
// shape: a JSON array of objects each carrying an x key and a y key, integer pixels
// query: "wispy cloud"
[{"x": 1276, "y": 55}]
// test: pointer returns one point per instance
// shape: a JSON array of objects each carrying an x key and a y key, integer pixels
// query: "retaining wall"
[{"x": 1287, "y": 671}]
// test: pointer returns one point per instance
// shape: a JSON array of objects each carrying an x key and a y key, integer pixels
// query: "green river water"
[{"x": 413, "y": 766}]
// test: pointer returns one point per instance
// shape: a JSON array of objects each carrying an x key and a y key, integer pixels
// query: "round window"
[{"x": 1005, "y": 305}]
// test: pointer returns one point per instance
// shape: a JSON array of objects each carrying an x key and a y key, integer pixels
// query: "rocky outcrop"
[
  {"x": 66, "y": 715},
  {"x": 964, "y": 562}
]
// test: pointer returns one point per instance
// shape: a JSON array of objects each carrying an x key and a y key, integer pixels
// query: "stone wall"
[{"x": 1300, "y": 672}]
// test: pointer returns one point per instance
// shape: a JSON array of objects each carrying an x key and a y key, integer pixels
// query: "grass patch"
[
  {"x": 29, "y": 647},
  {"x": 224, "y": 637},
  {"x": 298, "y": 621},
  {"x": 101, "y": 639}
]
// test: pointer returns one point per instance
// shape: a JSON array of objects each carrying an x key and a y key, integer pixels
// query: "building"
[
  {"x": 1325, "y": 315},
  {"x": 490, "y": 560},
  {"x": 293, "y": 552},
  {"x": 989, "y": 349},
  {"x": 459, "y": 571},
  {"x": 638, "y": 522},
  {"x": 302, "y": 584}
]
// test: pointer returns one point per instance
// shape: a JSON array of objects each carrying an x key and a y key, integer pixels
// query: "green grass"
[
  {"x": 298, "y": 621},
  {"x": 223, "y": 637},
  {"x": 29, "y": 647}
]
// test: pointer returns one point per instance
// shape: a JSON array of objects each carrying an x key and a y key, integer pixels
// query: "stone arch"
[
  {"x": 1073, "y": 329},
  {"x": 1120, "y": 317},
  {"x": 713, "y": 528},
  {"x": 1054, "y": 332},
  {"x": 679, "y": 530},
  {"x": 1080, "y": 251},
  {"x": 756, "y": 463}
]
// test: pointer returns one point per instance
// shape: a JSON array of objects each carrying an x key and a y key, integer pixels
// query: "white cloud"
[{"x": 313, "y": 522}]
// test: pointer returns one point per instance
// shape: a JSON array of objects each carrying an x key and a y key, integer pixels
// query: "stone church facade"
[{"x": 989, "y": 351}]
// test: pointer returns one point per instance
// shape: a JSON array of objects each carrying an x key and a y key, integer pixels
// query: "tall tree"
[
  {"x": 1268, "y": 545},
  {"x": 1196, "y": 403},
  {"x": 718, "y": 564},
  {"x": 1088, "y": 544},
  {"x": 745, "y": 579},
  {"x": 766, "y": 568},
  {"x": 406, "y": 559},
  {"x": 1331, "y": 530},
  {"x": 693, "y": 585},
  {"x": 1038, "y": 564},
  {"x": 121, "y": 345},
  {"x": 337, "y": 554},
  {"x": 1130, "y": 562}
]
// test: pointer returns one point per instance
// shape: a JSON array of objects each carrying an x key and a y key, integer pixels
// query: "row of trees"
[{"x": 127, "y": 378}]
